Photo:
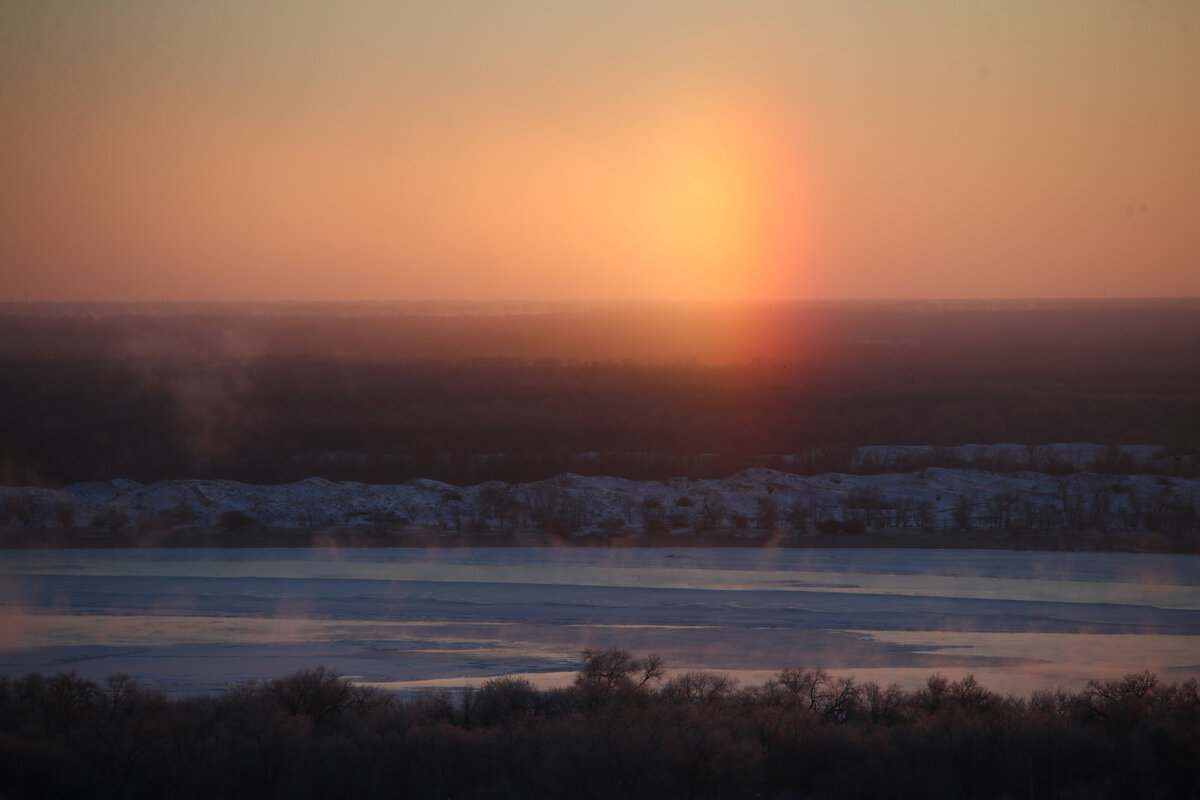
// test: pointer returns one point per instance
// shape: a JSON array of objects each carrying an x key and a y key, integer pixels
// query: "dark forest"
[{"x": 383, "y": 394}]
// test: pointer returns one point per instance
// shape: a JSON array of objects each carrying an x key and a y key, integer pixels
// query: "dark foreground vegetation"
[
  {"x": 620, "y": 731},
  {"x": 384, "y": 394}
]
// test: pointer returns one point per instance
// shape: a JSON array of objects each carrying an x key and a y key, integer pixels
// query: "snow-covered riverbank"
[{"x": 933, "y": 498}]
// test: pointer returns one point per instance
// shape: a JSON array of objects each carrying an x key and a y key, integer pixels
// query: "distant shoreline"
[{"x": 334, "y": 537}]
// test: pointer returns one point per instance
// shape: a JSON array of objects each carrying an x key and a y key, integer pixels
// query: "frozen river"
[{"x": 192, "y": 620}]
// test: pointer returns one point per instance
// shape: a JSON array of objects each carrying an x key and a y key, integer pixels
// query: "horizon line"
[{"x": 607, "y": 302}]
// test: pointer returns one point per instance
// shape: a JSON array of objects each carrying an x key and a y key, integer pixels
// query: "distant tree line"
[
  {"x": 376, "y": 393},
  {"x": 277, "y": 421},
  {"x": 622, "y": 730}
]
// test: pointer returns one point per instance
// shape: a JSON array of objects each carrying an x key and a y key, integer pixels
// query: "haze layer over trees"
[{"x": 466, "y": 393}]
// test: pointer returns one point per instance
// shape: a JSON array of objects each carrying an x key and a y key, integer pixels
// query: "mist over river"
[{"x": 187, "y": 620}]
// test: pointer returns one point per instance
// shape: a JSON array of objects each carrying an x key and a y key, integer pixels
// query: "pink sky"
[{"x": 543, "y": 150}]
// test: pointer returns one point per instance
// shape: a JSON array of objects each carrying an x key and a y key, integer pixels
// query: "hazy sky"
[{"x": 540, "y": 149}]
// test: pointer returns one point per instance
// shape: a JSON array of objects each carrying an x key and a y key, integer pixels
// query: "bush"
[{"x": 619, "y": 731}]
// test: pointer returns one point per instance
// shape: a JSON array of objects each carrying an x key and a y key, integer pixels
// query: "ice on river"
[{"x": 198, "y": 620}]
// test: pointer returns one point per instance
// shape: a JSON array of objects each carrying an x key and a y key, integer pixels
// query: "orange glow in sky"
[
  {"x": 718, "y": 211},
  {"x": 538, "y": 150}
]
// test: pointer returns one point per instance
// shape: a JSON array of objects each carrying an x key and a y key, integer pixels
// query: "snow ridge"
[{"x": 573, "y": 504}]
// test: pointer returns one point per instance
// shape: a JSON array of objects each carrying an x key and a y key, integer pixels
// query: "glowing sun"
[{"x": 718, "y": 207}]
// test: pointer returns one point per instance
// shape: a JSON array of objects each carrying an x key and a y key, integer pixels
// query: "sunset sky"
[{"x": 619, "y": 150}]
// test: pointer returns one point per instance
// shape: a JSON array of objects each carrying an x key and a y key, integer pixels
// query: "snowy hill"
[{"x": 572, "y": 504}]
